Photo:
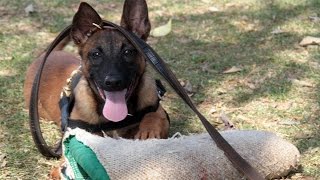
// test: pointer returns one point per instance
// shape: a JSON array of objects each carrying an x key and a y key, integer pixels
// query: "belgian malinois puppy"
[{"x": 114, "y": 81}]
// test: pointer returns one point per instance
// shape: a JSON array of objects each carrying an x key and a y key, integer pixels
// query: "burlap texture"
[{"x": 191, "y": 157}]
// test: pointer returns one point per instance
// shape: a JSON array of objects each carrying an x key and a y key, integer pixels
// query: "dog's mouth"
[{"x": 115, "y": 107}]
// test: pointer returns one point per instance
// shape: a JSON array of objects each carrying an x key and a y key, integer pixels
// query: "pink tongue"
[{"x": 115, "y": 109}]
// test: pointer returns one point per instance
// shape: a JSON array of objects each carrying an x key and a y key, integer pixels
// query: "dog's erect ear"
[
  {"x": 83, "y": 23},
  {"x": 135, "y": 18}
]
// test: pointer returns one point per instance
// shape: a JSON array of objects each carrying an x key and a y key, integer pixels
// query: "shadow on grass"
[
  {"x": 311, "y": 138},
  {"x": 249, "y": 49},
  {"x": 19, "y": 146}
]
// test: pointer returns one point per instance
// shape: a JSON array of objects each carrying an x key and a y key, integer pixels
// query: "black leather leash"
[
  {"x": 241, "y": 164},
  {"x": 238, "y": 162},
  {"x": 34, "y": 121}
]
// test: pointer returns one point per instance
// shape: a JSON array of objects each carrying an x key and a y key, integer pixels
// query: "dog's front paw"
[
  {"x": 146, "y": 133},
  {"x": 150, "y": 128},
  {"x": 153, "y": 125}
]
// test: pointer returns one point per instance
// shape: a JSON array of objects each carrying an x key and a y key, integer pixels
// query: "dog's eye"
[
  {"x": 128, "y": 52},
  {"x": 129, "y": 55},
  {"x": 96, "y": 55}
]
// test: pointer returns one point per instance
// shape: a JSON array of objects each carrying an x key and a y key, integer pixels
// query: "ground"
[{"x": 273, "y": 85}]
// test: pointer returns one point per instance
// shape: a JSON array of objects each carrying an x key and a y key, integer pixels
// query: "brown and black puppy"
[{"x": 111, "y": 65}]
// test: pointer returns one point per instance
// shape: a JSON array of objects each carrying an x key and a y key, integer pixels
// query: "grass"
[{"x": 200, "y": 47}]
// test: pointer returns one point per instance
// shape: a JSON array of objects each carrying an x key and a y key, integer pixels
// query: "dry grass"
[{"x": 277, "y": 88}]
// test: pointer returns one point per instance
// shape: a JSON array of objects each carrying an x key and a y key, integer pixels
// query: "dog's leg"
[
  {"x": 55, "y": 172},
  {"x": 154, "y": 125}
]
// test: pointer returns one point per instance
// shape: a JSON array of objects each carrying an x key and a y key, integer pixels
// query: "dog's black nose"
[{"x": 113, "y": 82}]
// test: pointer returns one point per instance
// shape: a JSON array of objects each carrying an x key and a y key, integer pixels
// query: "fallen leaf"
[
  {"x": 3, "y": 164},
  {"x": 312, "y": 47},
  {"x": 159, "y": 12},
  {"x": 184, "y": 40},
  {"x": 283, "y": 106},
  {"x": 208, "y": 68},
  {"x": 29, "y": 9},
  {"x": 274, "y": 17},
  {"x": 233, "y": 69},
  {"x": 221, "y": 91},
  {"x": 243, "y": 118},
  {"x": 314, "y": 18},
  {"x": 312, "y": 150},
  {"x": 245, "y": 25},
  {"x": 205, "y": 67},
  {"x": 226, "y": 121},
  {"x": 206, "y": 1},
  {"x": 228, "y": 5},
  {"x": 7, "y": 73},
  {"x": 299, "y": 176},
  {"x": 278, "y": 30},
  {"x": 302, "y": 83},
  {"x": 197, "y": 52},
  {"x": 162, "y": 30},
  {"x": 251, "y": 85},
  {"x": 152, "y": 41},
  {"x": 182, "y": 82},
  {"x": 188, "y": 87},
  {"x": 245, "y": 18},
  {"x": 2, "y": 157},
  {"x": 289, "y": 122},
  {"x": 6, "y": 58},
  {"x": 3, "y": 160},
  {"x": 302, "y": 135},
  {"x": 309, "y": 40},
  {"x": 213, "y": 9},
  {"x": 212, "y": 110}
]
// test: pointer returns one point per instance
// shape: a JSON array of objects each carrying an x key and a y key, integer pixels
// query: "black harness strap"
[
  {"x": 67, "y": 98},
  {"x": 109, "y": 126}
]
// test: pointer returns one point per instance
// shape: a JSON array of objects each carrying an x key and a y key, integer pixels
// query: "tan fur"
[
  {"x": 84, "y": 110},
  {"x": 57, "y": 69},
  {"x": 148, "y": 92}
]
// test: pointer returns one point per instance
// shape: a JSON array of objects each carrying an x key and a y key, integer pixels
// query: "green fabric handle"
[{"x": 83, "y": 161}]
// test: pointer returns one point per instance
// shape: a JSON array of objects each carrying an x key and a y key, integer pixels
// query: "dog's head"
[{"x": 108, "y": 58}]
